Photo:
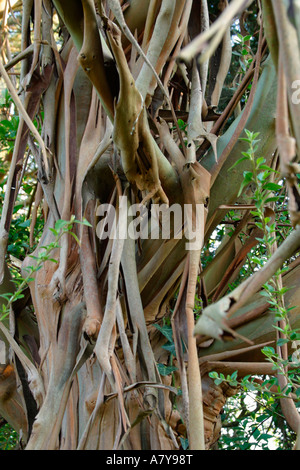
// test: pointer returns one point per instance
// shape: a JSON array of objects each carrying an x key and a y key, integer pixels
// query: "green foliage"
[
  {"x": 243, "y": 51},
  {"x": 267, "y": 193},
  {"x": 8, "y": 437},
  {"x": 165, "y": 370},
  {"x": 8, "y": 132},
  {"x": 169, "y": 346},
  {"x": 61, "y": 227},
  {"x": 18, "y": 243},
  {"x": 252, "y": 421}
]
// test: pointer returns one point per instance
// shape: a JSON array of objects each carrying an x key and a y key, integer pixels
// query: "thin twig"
[{"x": 25, "y": 115}]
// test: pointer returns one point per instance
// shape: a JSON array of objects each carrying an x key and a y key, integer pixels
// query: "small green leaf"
[
  {"x": 213, "y": 375},
  {"x": 282, "y": 341},
  {"x": 238, "y": 162},
  {"x": 259, "y": 161},
  {"x": 55, "y": 232},
  {"x": 165, "y": 370},
  {"x": 25, "y": 224},
  {"x": 219, "y": 381},
  {"x": 170, "y": 347},
  {"x": 268, "y": 351},
  {"x": 262, "y": 418},
  {"x": 250, "y": 386},
  {"x": 234, "y": 375},
  {"x": 272, "y": 186},
  {"x": 248, "y": 176},
  {"x": 85, "y": 222},
  {"x": 271, "y": 199},
  {"x": 75, "y": 236},
  {"x": 184, "y": 443},
  {"x": 166, "y": 330},
  {"x": 60, "y": 224},
  {"x": 245, "y": 139},
  {"x": 265, "y": 437},
  {"x": 243, "y": 185}
]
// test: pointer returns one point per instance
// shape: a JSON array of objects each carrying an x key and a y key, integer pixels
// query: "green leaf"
[
  {"x": 165, "y": 370},
  {"x": 271, "y": 199},
  {"x": 213, "y": 375},
  {"x": 61, "y": 224},
  {"x": 247, "y": 377},
  {"x": 262, "y": 417},
  {"x": 266, "y": 167},
  {"x": 75, "y": 236},
  {"x": 248, "y": 176},
  {"x": 282, "y": 341},
  {"x": 181, "y": 124},
  {"x": 243, "y": 185},
  {"x": 219, "y": 381},
  {"x": 166, "y": 330},
  {"x": 184, "y": 443},
  {"x": 272, "y": 186},
  {"x": 24, "y": 224},
  {"x": 265, "y": 436},
  {"x": 55, "y": 232},
  {"x": 295, "y": 336},
  {"x": 245, "y": 139},
  {"x": 17, "y": 207},
  {"x": 268, "y": 351},
  {"x": 234, "y": 375},
  {"x": 6, "y": 296},
  {"x": 238, "y": 162},
  {"x": 259, "y": 161},
  {"x": 170, "y": 347},
  {"x": 245, "y": 446},
  {"x": 85, "y": 222},
  {"x": 250, "y": 386}
]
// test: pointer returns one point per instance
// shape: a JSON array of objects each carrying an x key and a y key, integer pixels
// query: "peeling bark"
[{"x": 95, "y": 377}]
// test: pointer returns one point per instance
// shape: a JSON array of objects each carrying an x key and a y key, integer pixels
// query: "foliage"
[
  {"x": 19, "y": 235},
  {"x": 249, "y": 432},
  {"x": 253, "y": 421},
  {"x": 61, "y": 228},
  {"x": 117, "y": 106},
  {"x": 8, "y": 437}
]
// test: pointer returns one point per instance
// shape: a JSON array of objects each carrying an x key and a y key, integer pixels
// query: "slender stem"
[{"x": 24, "y": 115}]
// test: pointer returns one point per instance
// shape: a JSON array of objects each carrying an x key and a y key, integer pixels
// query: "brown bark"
[{"x": 91, "y": 362}]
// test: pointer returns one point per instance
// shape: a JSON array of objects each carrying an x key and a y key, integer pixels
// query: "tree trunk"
[{"x": 95, "y": 343}]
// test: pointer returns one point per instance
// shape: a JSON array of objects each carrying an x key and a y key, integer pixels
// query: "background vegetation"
[{"x": 254, "y": 413}]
